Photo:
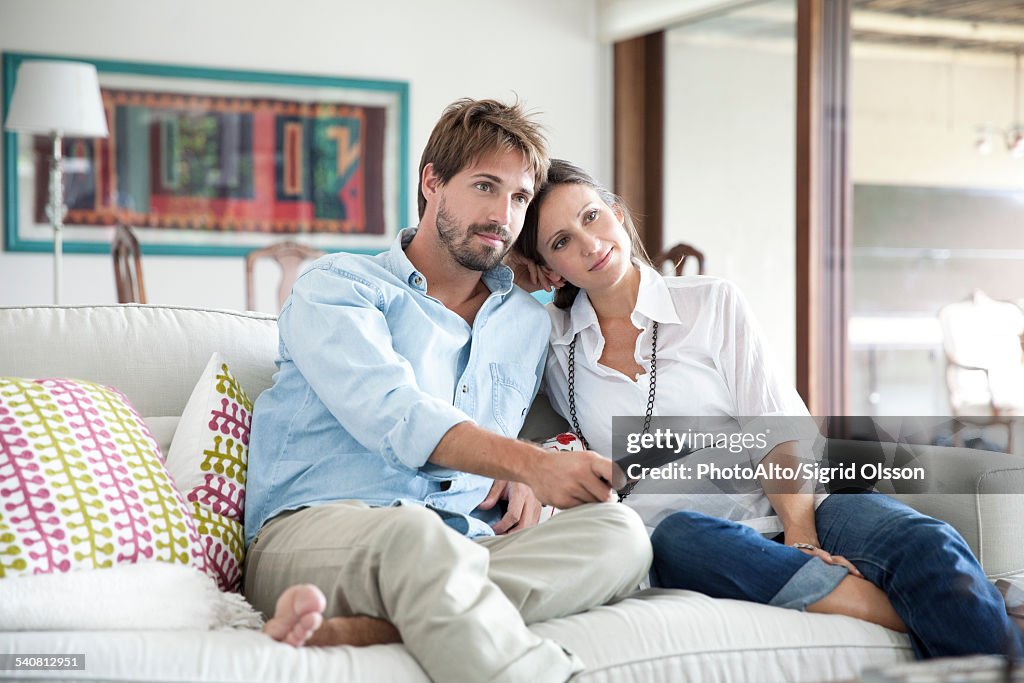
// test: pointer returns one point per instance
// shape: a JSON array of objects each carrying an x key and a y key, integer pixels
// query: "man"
[{"x": 378, "y": 456}]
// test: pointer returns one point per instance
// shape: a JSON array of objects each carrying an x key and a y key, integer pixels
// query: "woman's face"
[{"x": 582, "y": 239}]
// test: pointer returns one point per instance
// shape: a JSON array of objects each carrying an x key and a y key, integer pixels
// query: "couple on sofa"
[{"x": 389, "y": 500}]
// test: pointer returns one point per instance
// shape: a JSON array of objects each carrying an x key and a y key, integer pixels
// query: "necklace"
[{"x": 650, "y": 397}]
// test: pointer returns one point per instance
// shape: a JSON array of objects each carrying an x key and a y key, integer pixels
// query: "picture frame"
[{"x": 218, "y": 162}]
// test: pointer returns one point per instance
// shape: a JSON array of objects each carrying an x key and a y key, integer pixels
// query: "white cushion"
[
  {"x": 665, "y": 636},
  {"x": 151, "y": 354},
  {"x": 162, "y": 427}
]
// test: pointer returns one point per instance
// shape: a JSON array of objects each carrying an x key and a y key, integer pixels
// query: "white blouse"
[{"x": 711, "y": 362}]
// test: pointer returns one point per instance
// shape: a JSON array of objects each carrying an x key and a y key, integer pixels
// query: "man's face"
[{"x": 481, "y": 209}]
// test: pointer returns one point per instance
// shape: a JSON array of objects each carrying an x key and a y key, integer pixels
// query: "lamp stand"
[{"x": 57, "y": 212}]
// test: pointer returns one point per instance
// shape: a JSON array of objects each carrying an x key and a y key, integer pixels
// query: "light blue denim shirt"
[{"x": 372, "y": 372}]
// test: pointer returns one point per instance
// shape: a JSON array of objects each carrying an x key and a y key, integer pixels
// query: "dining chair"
[
  {"x": 289, "y": 256},
  {"x": 127, "y": 266},
  {"x": 678, "y": 256}
]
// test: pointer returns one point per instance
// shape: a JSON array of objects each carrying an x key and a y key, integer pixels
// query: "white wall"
[
  {"x": 914, "y": 113},
  {"x": 546, "y": 52},
  {"x": 730, "y": 169}
]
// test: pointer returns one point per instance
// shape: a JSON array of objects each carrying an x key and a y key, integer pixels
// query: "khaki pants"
[{"x": 461, "y": 606}]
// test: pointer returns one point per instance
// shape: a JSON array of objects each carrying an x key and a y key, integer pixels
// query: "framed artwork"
[{"x": 219, "y": 162}]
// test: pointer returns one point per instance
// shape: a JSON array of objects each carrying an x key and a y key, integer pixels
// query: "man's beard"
[{"x": 463, "y": 246}]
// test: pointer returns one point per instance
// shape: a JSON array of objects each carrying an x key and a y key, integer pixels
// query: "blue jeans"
[{"x": 927, "y": 570}]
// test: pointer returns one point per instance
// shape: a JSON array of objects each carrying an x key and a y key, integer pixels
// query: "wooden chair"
[
  {"x": 678, "y": 255},
  {"x": 289, "y": 256},
  {"x": 127, "y": 267}
]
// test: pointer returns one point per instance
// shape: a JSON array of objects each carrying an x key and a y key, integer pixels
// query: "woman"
[{"x": 632, "y": 340}]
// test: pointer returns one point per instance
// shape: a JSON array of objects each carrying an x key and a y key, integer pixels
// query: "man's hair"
[
  {"x": 469, "y": 129},
  {"x": 562, "y": 172}
]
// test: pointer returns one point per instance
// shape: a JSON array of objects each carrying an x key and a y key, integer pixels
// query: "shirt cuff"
[{"x": 413, "y": 438}]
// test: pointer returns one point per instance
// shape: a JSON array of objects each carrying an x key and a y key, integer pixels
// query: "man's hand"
[
  {"x": 523, "y": 509},
  {"x": 563, "y": 479},
  {"x": 566, "y": 479}
]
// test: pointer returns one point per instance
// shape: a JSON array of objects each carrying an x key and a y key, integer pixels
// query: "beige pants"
[{"x": 461, "y": 606}]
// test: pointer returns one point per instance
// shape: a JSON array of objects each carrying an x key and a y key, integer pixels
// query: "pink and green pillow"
[
  {"x": 208, "y": 459},
  {"x": 82, "y": 485}
]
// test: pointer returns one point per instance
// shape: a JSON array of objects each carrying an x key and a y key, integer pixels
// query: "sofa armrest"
[{"x": 979, "y": 493}]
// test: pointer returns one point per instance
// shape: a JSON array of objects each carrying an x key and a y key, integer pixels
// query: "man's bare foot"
[
  {"x": 298, "y": 614},
  {"x": 357, "y": 631}
]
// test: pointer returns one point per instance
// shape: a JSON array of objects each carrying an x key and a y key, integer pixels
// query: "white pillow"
[{"x": 207, "y": 460}]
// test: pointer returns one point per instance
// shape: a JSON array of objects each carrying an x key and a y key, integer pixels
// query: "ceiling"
[
  {"x": 982, "y": 26},
  {"x": 974, "y": 11},
  {"x": 974, "y": 25}
]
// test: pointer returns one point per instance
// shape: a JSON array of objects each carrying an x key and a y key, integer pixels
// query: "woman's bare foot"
[
  {"x": 857, "y": 597},
  {"x": 357, "y": 631},
  {"x": 298, "y": 614}
]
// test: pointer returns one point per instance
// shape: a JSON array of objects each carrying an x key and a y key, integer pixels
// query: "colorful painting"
[{"x": 220, "y": 162}]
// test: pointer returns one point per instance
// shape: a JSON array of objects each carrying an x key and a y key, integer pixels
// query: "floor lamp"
[{"x": 57, "y": 99}]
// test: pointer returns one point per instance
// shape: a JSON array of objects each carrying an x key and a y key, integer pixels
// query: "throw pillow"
[
  {"x": 82, "y": 484},
  {"x": 208, "y": 458}
]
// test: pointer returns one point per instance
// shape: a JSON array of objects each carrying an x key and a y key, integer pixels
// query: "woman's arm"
[{"x": 795, "y": 507}]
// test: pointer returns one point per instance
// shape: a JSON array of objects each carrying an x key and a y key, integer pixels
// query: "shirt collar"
[
  {"x": 653, "y": 303},
  {"x": 497, "y": 279}
]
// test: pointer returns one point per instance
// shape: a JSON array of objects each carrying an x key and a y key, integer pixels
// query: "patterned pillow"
[
  {"x": 567, "y": 441},
  {"x": 207, "y": 459},
  {"x": 82, "y": 485}
]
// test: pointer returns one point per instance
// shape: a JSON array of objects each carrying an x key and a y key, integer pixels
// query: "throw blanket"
[{"x": 148, "y": 595}]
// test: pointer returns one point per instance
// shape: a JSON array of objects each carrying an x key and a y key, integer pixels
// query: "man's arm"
[
  {"x": 334, "y": 331},
  {"x": 562, "y": 479}
]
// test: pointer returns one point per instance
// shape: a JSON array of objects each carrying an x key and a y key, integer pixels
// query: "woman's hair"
[
  {"x": 563, "y": 172},
  {"x": 469, "y": 129}
]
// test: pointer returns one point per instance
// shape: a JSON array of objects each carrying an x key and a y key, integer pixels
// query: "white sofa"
[{"x": 155, "y": 354}]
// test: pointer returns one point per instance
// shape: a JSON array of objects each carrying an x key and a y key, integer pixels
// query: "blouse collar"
[{"x": 653, "y": 304}]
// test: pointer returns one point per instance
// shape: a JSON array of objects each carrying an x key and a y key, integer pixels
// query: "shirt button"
[{"x": 464, "y": 388}]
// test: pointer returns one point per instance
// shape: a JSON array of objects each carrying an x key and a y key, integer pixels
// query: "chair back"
[
  {"x": 127, "y": 267},
  {"x": 984, "y": 359},
  {"x": 678, "y": 256},
  {"x": 289, "y": 256}
]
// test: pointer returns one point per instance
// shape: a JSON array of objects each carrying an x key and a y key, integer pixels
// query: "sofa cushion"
[
  {"x": 152, "y": 354},
  {"x": 82, "y": 483},
  {"x": 208, "y": 459},
  {"x": 162, "y": 428},
  {"x": 658, "y": 636}
]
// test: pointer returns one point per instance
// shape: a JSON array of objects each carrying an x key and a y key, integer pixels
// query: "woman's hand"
[
  {"x": 815, "y": 551},
  {"x": 532, "y": 276}
]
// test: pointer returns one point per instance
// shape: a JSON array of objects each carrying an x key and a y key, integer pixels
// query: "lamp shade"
[{"x": 57, "y": 97}]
